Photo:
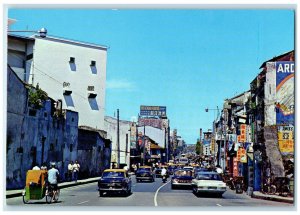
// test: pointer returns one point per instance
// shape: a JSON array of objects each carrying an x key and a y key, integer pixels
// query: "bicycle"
[{"x": 51, "y": 194}]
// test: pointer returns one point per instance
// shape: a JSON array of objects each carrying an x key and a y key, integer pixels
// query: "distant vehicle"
[
  {"x": 144, "y": 173},
  {"x": 188, "y": 168},
  {"x": 208, "y": 182},
  {"x": 114, "y": 181},
  {"x": 183, "y": 160},
  {"x": 172, "y": 168},
  {"x": 182, "y": 178}
]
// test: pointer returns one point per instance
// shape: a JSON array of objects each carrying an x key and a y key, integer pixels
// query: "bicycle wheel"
[
  {"x": 56, "y": 196},
  {"x": 25, "y": 201},
  {"x": 48, "y": 196},
  {"x": 272, "y": 189}
]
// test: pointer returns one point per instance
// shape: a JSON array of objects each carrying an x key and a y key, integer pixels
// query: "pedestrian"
[
  {"x": 76, "y": 168},
  {"x": 134, "y": 168},
  {"x": 125, "y": 168},
  {"x": 35, "y": 166},
  {"x": 44, "y": 166},
  {"x": 219, "y": 169},
  {"x": 70, "y": 170}
]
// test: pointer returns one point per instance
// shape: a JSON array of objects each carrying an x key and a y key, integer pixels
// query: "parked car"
[
  {"x": 144, "y": 173},
  {"x": 208, "y": 182},
  {"x": 114, "y": 181},
  {"x": 182, "y": 178}
]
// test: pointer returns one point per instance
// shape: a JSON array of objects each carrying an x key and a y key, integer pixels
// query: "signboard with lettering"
[
  {"x": 241, "y": 155},
  {"x": 285, "y": 81},
  {"x": 153, "y": 110},
  {"x": 156, "y": 123},
  {"x": 235, "y": 167},
  {"x": 286, "y": 139},
  {"x": 243, "y": 133}
]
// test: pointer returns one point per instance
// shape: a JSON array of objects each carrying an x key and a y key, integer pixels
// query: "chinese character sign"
[{"x": 286, "y": 139}]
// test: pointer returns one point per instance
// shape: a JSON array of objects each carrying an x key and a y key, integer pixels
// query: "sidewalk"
[
  {"x": 16, "y": 193},
  {"x": 260, "y": 195}
]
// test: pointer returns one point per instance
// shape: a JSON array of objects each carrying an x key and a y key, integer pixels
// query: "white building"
[
  {"x": 206, "y": 149},
  {"x": 110, "y": 124},
  {"x": 73, "y": 72}
]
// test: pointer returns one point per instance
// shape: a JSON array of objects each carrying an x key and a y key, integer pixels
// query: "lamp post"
[
  {"x": 144, "y": 142},
  {"x": 217, "y": 109}
]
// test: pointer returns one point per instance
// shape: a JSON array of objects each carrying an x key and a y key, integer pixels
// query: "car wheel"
[
  {"x": 129, "y": 192},
  {"x": 195, "y": 190},
  {"x": 100, "y": 193},
  {"x": 172, "y": 187},
  {"x": 220, "y": 195}
]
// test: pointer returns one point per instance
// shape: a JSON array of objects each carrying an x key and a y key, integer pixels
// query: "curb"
[
  {"x": 291, "y": 201},
  {"x": 62, "y": 186}
]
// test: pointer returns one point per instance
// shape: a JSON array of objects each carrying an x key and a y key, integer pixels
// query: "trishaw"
[{"x": 36, "y": 187}]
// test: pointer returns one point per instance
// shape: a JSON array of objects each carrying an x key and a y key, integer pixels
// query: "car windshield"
[
  {"x": 183, "y": 173},
  {"x": 113, "y": 175},
  {"x": 144, "y": 169},
  {"x": 208, "y": 177}
]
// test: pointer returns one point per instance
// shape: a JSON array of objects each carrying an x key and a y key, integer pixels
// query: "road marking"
[
  {"x": 155, "y": 196},
  {"x": 82, "y": 202},
  {"x": 219, "y": 205}
]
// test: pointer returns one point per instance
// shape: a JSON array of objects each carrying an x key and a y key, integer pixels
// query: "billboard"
[
  {"x": 286, "y": 139},
  {"x": 285, "y": 72},
  {"x": 153, "y": 110},
  {"x": 133, "y": 135},
  {"x": 156, "y": 123}
]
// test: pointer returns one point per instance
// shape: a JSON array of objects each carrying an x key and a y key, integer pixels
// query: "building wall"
[
  {"x": 111, "y": 128},
  {"x": 18, "y": 56},
  {"x": 90, "y": 153},
  {"x": 54, "y": 73},
  {"x": 38, "y": 137}
]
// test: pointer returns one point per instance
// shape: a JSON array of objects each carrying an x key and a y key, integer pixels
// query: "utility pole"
[
  {"x": 166, "y": 152},
  {"x": 118, "y": 137},
  {"x": 144, "y": 141}
]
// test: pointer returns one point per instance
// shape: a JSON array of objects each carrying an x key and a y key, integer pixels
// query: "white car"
[
  {"x": 208, "y": 182},
  {"x": 188, "y": 168}
]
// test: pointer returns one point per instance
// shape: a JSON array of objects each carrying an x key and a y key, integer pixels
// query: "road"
[{"x": 146, "y": 194}]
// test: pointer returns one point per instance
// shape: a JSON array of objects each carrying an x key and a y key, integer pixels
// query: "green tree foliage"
[
  {"x": 198, "y": 146},
  {"x": 37, "y": 97}
]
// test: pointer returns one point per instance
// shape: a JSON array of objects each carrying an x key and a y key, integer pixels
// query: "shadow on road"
[
  {"x": 115, "y": 195},
  {"x": 208, "y": 195}
]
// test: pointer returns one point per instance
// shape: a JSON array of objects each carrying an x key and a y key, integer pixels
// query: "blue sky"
[{"x": 187, "y": 60}]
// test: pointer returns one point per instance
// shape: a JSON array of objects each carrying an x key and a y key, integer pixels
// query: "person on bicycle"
[{"x": 53, "y": 175}]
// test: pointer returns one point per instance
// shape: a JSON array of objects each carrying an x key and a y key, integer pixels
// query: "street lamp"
[{"x": 206, "y": 110}]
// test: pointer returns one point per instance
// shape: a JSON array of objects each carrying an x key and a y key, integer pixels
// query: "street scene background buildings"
[{"x": 56, "y": 112}]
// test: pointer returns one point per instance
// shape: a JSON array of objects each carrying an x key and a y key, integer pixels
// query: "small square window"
[
  {"x": 72, "y": 60},
  {"x": 93, "y": 63}
]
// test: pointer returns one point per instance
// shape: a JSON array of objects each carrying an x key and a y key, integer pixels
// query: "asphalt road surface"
[{"x": 144, "y": 194}]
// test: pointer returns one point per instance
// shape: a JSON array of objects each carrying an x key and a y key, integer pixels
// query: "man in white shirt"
[
  {"x": 70, "y": 171},
  {"x": 163, "y": 171},
  {"x": 53, "y": 175},
  {"x": 219, "y": 169},
  {"x": 76, "y": 168}
]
